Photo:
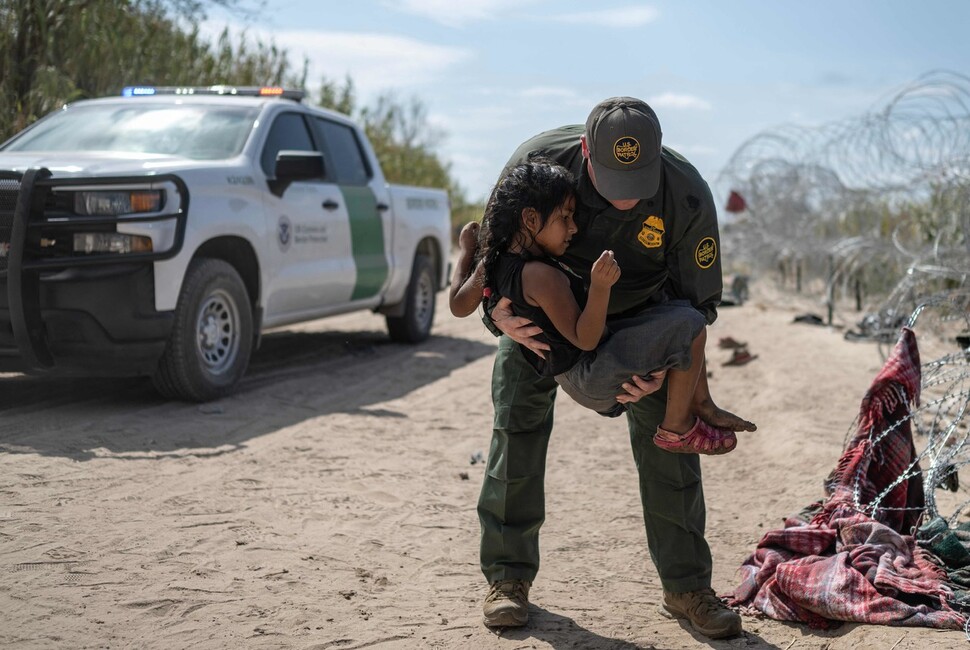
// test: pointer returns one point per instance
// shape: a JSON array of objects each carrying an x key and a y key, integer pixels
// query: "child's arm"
[
  {"x": 465, "y": 293},
  {"x": 549, "y": 289}
]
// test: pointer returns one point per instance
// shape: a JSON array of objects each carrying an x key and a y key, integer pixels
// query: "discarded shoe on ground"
[
  {"x": 810, "y": 319},
  {"x": 740, "y": 357},
  {"x": 729, "y": 343}
]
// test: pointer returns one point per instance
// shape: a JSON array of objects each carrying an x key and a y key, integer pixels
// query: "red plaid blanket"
[{"x": 852, "y": 565}]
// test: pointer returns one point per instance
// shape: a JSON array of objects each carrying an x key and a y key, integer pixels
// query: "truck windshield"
[{"x": 197, "y": 132}]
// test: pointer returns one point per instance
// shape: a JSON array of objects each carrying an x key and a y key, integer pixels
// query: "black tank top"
[{"x": 562, "y": 354}]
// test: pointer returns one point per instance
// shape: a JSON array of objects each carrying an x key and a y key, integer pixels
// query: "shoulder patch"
[{"x": 706, "y": 253}]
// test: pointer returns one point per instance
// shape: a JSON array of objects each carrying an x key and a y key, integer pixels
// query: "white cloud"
[
  {"x": 453, "y": 13},
  {"x": 620, "y": 17},
  {"x": 376, "y": 62},
  {"x": 549, "y": 92},
  {"x": 460, "y": 13},
  {"x": 678, "y": 101}
]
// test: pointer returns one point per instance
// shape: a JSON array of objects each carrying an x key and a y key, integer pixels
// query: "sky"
[{"x": 492, "y": 73}]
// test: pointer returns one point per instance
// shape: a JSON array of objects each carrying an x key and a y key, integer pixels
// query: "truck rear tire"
[
  {"x": 212, "y": 337},
  {"x": 414, "y": 325}
]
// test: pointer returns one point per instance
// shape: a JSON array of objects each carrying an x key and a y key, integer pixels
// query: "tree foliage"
[{"x": 56, "y": 51}]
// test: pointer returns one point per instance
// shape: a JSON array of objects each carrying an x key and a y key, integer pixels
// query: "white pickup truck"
[{"x": 158, "y": 233}]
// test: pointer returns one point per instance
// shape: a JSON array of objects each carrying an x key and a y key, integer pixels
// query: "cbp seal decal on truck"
[
  {"x": 106, "y": 272},
  {"x": 284, "y": 232}
]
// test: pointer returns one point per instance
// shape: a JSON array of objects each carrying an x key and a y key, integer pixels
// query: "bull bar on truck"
[{"x": 26, "y": 251}]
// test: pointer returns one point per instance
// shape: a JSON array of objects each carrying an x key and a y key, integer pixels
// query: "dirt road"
[{"x": 330, "y": 503}]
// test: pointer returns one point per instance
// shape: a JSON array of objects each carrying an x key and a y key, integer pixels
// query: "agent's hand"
[
  {"x": 605, "y": 271},
  {"x": 521, "y": 330},
  {"x": 639, "y": 387},
  {"x": 468, "y": 237}
]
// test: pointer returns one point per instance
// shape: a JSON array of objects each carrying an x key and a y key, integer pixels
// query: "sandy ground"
[{"x": 330, "y": 503}]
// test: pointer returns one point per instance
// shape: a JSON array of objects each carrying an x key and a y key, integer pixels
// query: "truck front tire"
[
  {"x": 212, "y": 337},
  {"x": 414, "y": 325}
]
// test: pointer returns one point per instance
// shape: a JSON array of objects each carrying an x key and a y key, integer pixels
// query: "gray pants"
[{"x": 655, "y": 339}]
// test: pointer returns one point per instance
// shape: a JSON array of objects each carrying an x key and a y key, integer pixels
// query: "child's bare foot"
[{"x": 717, "y": 417}]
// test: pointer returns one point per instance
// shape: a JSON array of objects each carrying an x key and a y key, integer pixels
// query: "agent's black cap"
[{"x": 623, "y": 135}]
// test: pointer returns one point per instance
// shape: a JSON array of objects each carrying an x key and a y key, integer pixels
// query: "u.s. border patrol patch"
[
  {"x": 626, "y": 150},
  {"x": 652, "y": 233},
  {"x": 705, "y": 253}
]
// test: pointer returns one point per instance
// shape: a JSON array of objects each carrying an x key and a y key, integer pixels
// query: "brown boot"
[
  {"x": 705, "y": 611},
  {"x": 507, "y": 604}
]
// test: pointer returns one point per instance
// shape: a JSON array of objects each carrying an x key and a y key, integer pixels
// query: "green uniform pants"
[{"x": 511, "y": 507}]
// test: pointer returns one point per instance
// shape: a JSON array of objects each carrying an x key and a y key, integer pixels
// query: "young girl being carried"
[{"x": 528, "y": 224}]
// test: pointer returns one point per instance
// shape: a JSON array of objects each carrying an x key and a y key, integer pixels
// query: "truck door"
[
  {"x": 313, "y": 267},
  {"x": 369, "y": 215}
]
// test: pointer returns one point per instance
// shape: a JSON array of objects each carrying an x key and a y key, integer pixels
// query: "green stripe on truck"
[{"x": 366, "y": 240}]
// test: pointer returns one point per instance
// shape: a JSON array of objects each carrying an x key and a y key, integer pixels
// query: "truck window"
[
  {"x": 288, "y": 132},
  {"x": 346, "y": 160},
  {"x": 195, "y": 132}
]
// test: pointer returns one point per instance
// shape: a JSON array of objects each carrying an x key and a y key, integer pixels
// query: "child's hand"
[
  {"x": 605, "y": 270},
  {"x": 468, "y": 238}
]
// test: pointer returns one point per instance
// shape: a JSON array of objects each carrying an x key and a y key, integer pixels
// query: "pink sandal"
[{"x": 701, "y": 439}]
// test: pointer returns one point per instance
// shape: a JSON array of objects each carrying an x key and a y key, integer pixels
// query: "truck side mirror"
[{"x": 292, "y": 165}]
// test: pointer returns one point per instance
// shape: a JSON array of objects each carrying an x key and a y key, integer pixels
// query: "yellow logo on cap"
[
  {"x": 626, "y": 150},
  {"x": 652, "y": 233},
  {"x": 705, "y": 253}
]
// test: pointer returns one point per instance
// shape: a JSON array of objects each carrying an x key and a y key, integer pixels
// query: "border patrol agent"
[{"x": 653, "y": 209}]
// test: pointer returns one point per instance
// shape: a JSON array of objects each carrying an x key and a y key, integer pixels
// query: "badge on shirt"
[
  {"x": 652, "y": 233},
  {"x": 705, "y": 253}
]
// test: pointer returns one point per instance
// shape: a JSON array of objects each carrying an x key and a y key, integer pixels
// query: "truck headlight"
[
  {"x": 111, "y": 203},
  {"x": 111, "y": 242}
]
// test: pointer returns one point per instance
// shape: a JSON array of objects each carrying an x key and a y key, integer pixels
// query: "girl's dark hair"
[{"x": 540, "y": 184}]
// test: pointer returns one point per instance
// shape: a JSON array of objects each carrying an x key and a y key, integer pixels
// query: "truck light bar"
[{"x": 239, "y": 91}]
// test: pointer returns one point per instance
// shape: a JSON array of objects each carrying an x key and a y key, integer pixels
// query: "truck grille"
[{"x": 9, "y": 189}]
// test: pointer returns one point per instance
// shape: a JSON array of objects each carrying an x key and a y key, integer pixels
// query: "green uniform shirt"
[{"x": 667, "y": 246}]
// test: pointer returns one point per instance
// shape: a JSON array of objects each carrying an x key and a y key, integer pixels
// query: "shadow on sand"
[
  {"x": 335, "y": 371},
  {"x": 562, "y": 632}
]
